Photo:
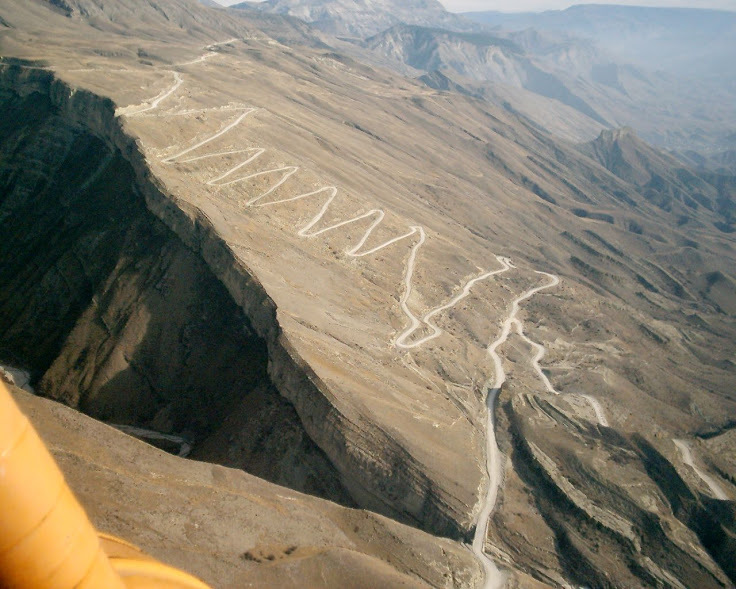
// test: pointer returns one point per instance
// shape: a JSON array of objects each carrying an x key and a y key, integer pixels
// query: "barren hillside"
[{"x": 326, "y": 274}]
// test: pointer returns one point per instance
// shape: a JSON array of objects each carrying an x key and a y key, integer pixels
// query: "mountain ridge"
[
  {"x": 693, "y": 41},
  {"x": 662, "y": 177},
  {"x": 353, "y": 18}
]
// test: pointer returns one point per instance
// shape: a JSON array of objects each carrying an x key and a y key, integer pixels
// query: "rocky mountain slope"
[
  {"x": 723, "y": 162},
  {"x": 660, "y": 61},
  {"x": 566, "y": 85},
  {"x": 155, "y": 21},
  {"x": 665, "y": 72},
  {"x": 686, "y": 41},
  {"x": 486, "y": 58},
  {"x": 353, "y": 18},
  {"x": 319, "y": 270},
  {"x": 663, "y": 180}
]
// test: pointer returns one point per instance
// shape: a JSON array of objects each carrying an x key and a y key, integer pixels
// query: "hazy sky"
[
  {"x": 538, "y": 5},
  {"x": 521, "y": 5}
]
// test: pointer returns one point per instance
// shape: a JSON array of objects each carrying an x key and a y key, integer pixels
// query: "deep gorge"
[
  {"x": 113, "y": 313},
  {"x": 151, "y": 273}
]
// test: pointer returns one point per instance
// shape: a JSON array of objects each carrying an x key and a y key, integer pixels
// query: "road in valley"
[
  {"x": 19, "y": 377},
  {"x": 185, "y": 446},
  {"x": 494, "y": 578},
  {"x": 687, "y": 458}
]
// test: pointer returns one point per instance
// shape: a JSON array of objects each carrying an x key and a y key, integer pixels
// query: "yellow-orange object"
[{"x": 46, "y": 539}]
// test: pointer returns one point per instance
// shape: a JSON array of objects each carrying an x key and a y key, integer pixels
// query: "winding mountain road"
[
  {"x": 426, "y": 320},
  {"x": 230, "y": 177},
  {"x": 153, "y": 103},
  {"x": 210, "y": 52},
  {"x": 494, "y": 579},
  {"x": 687, "y": 458}
]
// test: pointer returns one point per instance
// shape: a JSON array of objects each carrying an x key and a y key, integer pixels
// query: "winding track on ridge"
[
  {"x": 687, "y": 458},
  {"x": 329, "y": 193},
  {"x": 494, "y": 579}
]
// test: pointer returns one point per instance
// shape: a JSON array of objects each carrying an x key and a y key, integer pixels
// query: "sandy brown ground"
[{"x": 230, "y": 528}]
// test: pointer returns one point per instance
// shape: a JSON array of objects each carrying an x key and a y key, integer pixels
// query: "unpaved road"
[
  {"x": 687, "y": 458},
  {"x": 185, "y": 446},
  {"x": 494, "y": 578},
  {"x": 401, "y": 341},
  {"x": 598, "y": 408},
  {"x": 282, "y": 175}
]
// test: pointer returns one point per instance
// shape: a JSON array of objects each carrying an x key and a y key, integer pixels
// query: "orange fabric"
[
  {"x": 117, "y": 548},
  {"x": 149, "y": 574},
  {"x": 47, "y": 542},
  {"x": 46, "y": 539},
  {"x": 140, "y": 571}
]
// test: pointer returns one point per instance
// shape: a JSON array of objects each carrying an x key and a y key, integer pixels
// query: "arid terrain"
[{"x": 448, "y": 345}]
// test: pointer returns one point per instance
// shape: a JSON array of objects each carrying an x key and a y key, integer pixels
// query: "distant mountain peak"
[
  {"x": 359, "y": 18},
  {"x": 620, "y": 134}
]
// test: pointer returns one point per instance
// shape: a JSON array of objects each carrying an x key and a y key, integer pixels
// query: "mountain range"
[
  {"x": 569, "y": 63},
  {"x": 359, "y": 19},
  {"x": 399, "y": 293},
  {"x": 690, "y": 42}
]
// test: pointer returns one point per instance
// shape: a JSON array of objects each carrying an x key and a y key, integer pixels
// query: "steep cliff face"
[
  {"x": 115, "y": 315},
  {"x": 136, "y": 340}
]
